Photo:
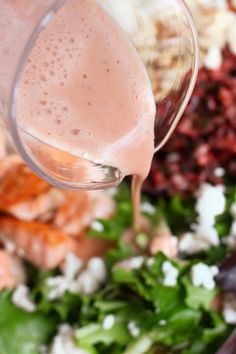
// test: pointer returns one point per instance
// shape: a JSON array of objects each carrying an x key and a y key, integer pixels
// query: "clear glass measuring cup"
[{"x": 164, "y": 35}]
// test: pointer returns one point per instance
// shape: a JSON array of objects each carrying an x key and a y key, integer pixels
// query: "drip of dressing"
[{"x": 85, "y": 92}]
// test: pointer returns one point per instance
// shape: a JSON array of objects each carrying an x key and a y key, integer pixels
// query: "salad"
[
  {"x": 90, "y": 286},
  {"x": 75, "y": 280}
]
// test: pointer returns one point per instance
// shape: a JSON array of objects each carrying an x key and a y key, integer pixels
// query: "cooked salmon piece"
[
  {"x": 40, "y": 208},
  {"x": 7, "y": 164},
  {"x": 81, "y": 208},
  {"x": 39, "y": 243},
  {"x": 11, "y": 270},
  {"x": 23, "y": 194},
  {"x": 72, "y": 217}
]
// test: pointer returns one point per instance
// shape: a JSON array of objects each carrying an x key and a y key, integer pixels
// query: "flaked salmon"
[
  {"x": 23, "y": 194},
  {"x": 39, "y": 243},
  {"x": 11, "y": 270},
  {"x": 80, "y": 209}
]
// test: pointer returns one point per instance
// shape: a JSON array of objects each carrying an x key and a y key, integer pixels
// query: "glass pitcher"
[{"x": 163, "y": 33}]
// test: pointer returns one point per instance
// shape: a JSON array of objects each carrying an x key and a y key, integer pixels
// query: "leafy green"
[
  {"x": 198, "y": 297},
  {"x": 170, "y": 319},
  {"x": 94, "y": 334},
  {"x": 22, "y": 332},
  {"x": 140, "y": 345},
  {"x": 223, "y": 221}
]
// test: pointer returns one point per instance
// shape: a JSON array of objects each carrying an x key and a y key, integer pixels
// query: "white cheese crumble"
[
  {"x": 147, "y": 208},
  {"x": 97, "y": 226},
  {"x": 63, "y": 342},
  {"x": 162, "y": 322},
  {"x": 58, "y": 286},
  {"x": 150, "y": 261},
  {"x": 72, "y": 266},
  {"x": 203, "y": 275},
  {"x": 191, "y": 244},
  {"x": 210, "y": 203},
  {"x": 87, "y": 283},
  {"x": 76, "y": 278},
  {"x": 171, "y": 274},
  {"x": 219, "y": 172},
  {"x": 108, "y": 322},
  {"x": 229, "y": 309},
  {"x": 21, "y": 299},
  {"x": 133, "y": 329},
  {"x": 97, "y": 268}
]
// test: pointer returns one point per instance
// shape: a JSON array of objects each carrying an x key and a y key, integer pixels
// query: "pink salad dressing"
[{"x": 86, "y": 92}]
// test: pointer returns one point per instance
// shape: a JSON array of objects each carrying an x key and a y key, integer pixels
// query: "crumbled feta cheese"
[
  {"x": 108, "y": 322},
  {"x": 87, "y": 282},
  {"x": 219, "y": 172},
  {"x": 133, "y": 329},
  {"x": 150, "y": 261},
  {"x": 191, "y": 243},
  {"x": 76, "y": 280},
  {"x": 97, "y": 226},
  {"x": 229, "y": 309},
  {"x": 203, "y": 275},
  {"x": 21, "y": 299},
  {"x": 98, "y": 269},
  {"x": 162, "y": 322},
  {"x": 210, "y": 203},
  {"x": 213, "y": 58},
  {"x": 147, "y": 208},
  {"x": 75, "y": 287},
  {"x": 171, "y": 274},
  {"x": 208, "y": 234},
  {"x": 58, "y": 286},
  {"x": 63, "y": 342},
  {"x": 73, "y": 264}
]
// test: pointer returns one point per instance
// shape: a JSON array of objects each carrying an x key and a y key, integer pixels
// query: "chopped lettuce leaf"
[
  {"x": 22, "y": 332},
  {"x": 95, "y": 333},
  {"x": 198, "y": 297}
]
